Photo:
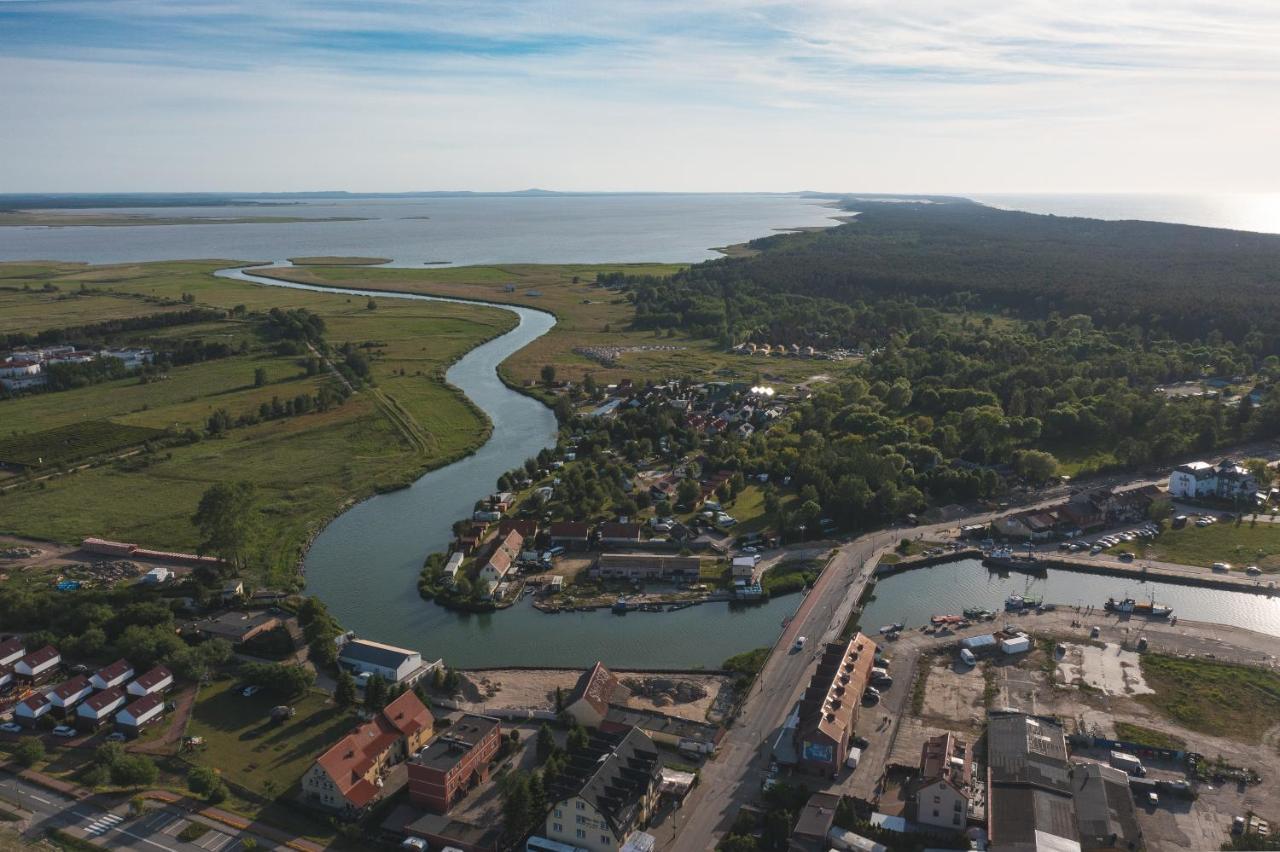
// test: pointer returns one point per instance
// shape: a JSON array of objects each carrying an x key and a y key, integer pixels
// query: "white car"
[
  {"x": 64, "y": 731},
  {"x": 1221, "y": 567},
  {"x": 11, "y": 728},
  {"x": 799, "y": 646},
  {"x": 251, "y": 690}
]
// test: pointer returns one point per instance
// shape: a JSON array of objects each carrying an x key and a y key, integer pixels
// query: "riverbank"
[{"x": 308, "y": 467}]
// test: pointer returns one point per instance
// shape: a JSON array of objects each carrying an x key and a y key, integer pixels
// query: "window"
[
  {"x": 581, "y": 806},
  {"x": 604, "y": 838},
  {"x": 935, "y": 813},
  {"x": 581, "y": 833},
  {"x": 955, "y": 820},
  {"x": 957, "y": 807},
  {"x": 557, "y": 827},
  {"x": 937, "y": 799},
  {"x": 581, "y": 819},
  {"x": 558, "y": 812}
]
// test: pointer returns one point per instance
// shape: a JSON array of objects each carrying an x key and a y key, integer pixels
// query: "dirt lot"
[
  {"x": 536, "y": 689},
  {"x": 52, "y": 560}
]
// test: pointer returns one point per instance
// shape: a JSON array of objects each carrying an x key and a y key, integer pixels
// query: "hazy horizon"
[{"x": 718, "y": 96}]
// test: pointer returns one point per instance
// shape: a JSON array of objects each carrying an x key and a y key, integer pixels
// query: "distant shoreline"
[{"x": 65, "y": 219}]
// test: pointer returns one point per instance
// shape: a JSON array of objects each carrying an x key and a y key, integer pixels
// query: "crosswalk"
[{"x": 103, "y": 824}]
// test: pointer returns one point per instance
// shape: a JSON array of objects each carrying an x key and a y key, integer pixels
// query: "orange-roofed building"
[{"x": 348, "y": 777}]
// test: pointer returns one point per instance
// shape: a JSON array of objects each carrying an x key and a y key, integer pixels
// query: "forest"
[{"x": 1189, "y": 283}]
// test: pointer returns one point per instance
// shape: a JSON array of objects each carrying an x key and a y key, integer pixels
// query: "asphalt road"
[
  {"x": 113, "y": 828},
  {"x": 734, "y": 777}
]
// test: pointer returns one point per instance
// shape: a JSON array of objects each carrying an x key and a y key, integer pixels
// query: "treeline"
[
  {"x": 1193, "y": 284},
  {"x": 108, "y": 329},
  {"x": 327, "y": 397}
]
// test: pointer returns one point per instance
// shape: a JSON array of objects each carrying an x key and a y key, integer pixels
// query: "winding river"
[{"x": 364, "y": 565}]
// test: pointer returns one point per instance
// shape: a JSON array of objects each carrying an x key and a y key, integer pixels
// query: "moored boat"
[{"x": 1128, "y": 606}]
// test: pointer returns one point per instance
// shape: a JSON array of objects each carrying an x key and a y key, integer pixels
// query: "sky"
[{"x": 680, "y": 95}]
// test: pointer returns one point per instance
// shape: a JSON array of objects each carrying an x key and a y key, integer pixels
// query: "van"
[
  {"x": 1128, "y": 763},
  {"x": 799, "y": 645}
]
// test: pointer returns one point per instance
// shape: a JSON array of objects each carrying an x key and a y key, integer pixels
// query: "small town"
[{"x": 563, "y": 426}]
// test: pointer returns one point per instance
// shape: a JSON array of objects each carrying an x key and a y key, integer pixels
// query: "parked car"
[
  {"x": 116, "y": 737},
  {"x": 799, "y": 645},
  {"x": 11, "y": 728},
  {"x": 64, "y": 731},
  {"x": 1221, "y": 567},
  {"x": 251, "y": 690},
  {"x": 860, "y": 742}
]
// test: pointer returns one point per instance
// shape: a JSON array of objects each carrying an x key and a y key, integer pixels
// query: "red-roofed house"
[
  {"x": 619, "y": 533},
  {"x": 134, "y": 717},
  {"x": 69, "y": 693},
  {"x": 502, "y": 560},
  {"x": 348, "y": 777},
  {"x": 116, "y": 674},
  {"x": 31, "y": 708},
  {"x": 38, "y": 666},
  {"x": 589, "y": 701},
  {"x": 11, "y": 650},
  {"x": 158, "y": 680},
  {"x": 571, "y": 535},
  {"x": 100, "y": 707}
]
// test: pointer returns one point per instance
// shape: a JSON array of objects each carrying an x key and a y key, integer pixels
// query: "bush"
[{"x": 29, "y": 752}]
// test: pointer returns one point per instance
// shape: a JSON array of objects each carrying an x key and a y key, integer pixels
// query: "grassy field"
[
  {"x": 72, "y": 442},
  {"x": 36, "y": 310},
  {"x": 1221, "y": 542},
  {"x": 1215, "y": 698},
  {"x": 249, "y": 750},
  {"x": 307, "y": 466},
  {"x": 588, "y": 317},
  {"x": 1148, "y": 737},
  {"x": 338, "y": 260}
]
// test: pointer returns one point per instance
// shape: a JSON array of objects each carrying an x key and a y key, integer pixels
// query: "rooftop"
[
  {"x": 454, "y": 742},
  {"x": 375, "y": 653}
]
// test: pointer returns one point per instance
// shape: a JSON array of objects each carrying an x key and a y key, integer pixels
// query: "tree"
[
  {"x": 548, "y": 374},
  {"x": 344, "y": 693},
  {"x": 228, "y": 521},
  {"x": 134, "y": 770},
  {"x": 371, "y": 305},
  {"x": 545, "y": 743},
  {"x": 578, "y": 738},
  {"x": 375, "y": 694},
  {"x": 1036, "y": 466},
  {"x": 688, "y": 493},
  {"x": 1260, "y": 470},
  {"x": 1160, "y": 510},
  {"x": 516, "y": 803},
  {"x": 29, "y": 752},
  {"x": 259, "y": 376}
]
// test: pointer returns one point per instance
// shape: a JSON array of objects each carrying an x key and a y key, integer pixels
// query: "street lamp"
[{"x": 801, "y": 528}]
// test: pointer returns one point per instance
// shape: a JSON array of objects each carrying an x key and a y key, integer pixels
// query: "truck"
[{"x": 1128, "y": 763}]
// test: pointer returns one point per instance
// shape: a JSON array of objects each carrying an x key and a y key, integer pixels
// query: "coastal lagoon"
[{"x": 454, "y": 231}]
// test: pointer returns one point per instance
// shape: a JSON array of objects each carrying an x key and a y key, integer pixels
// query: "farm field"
[
  {"x": 32, "y": 311},
  {"x": 72, "y": 442},
  {"x": 307, "y": 466},
  {"x": 588, "y": 318},
  {"x": 1221, "y": 542}
]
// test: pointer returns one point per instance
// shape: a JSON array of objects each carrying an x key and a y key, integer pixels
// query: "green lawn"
[
  {"x": 248, "y": 749},
  {"x": 1221, "y": 542},
  {"x": 307, "y": 466},
  {"x": 1215, "y": 698}
]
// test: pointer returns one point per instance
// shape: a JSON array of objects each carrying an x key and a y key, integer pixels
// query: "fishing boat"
[
  {"x": 977, "y": 613},
  {"x": 1020, "y": 602},
  {"x": 947, "y": 619},
  {"x": 620, "y": 606},
  {"x": 1128, "y": 606}
]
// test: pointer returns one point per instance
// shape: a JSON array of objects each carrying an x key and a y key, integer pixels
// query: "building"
[
  {"x": 397, "y": 665},
  {"x": 815, "y": 821},
  {"x": 155, "y": 682},
  {"x": 1029, "y": 786},
  {"x": 571, "y": 535},
  {"x": 1201, "y": 480},
  {"x": 348, "y": 777},
  {"x": 38, "y": 666},
  {"x": 11, "y": 650},
  {"x": 1105, "y": 815},
  {"x": 679, "y": 733},
  {"x": 744, "y": 568},
  {"x": 140, "y": 713},
  {"x": 588, "y": 702},
  {"x": 451, "y": 566},
  {"x": 237, "y": 627},
  {"x": 945, "y": 793},
  {"x": 108, "y": 548},
  {"x": 6, "y": 679},
  {"x": 116, "y": 674},
  {"x": 31, "y": 708},
  {"x": 829, "y": 707},
  {"x": 68, "y": 694},
  {"x": 100, "y": 706},
  {"x": 606, "y": 793},
  {"x": 640, "y": 566},
  {"x": 502, "y": 560},
  {"x": 454, "y": 763},
  {"x": 619, "y": 534},
  {"x": 232, "y": 589}
]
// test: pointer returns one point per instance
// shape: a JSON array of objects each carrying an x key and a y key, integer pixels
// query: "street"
[{"x": 113, "y": 828}]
